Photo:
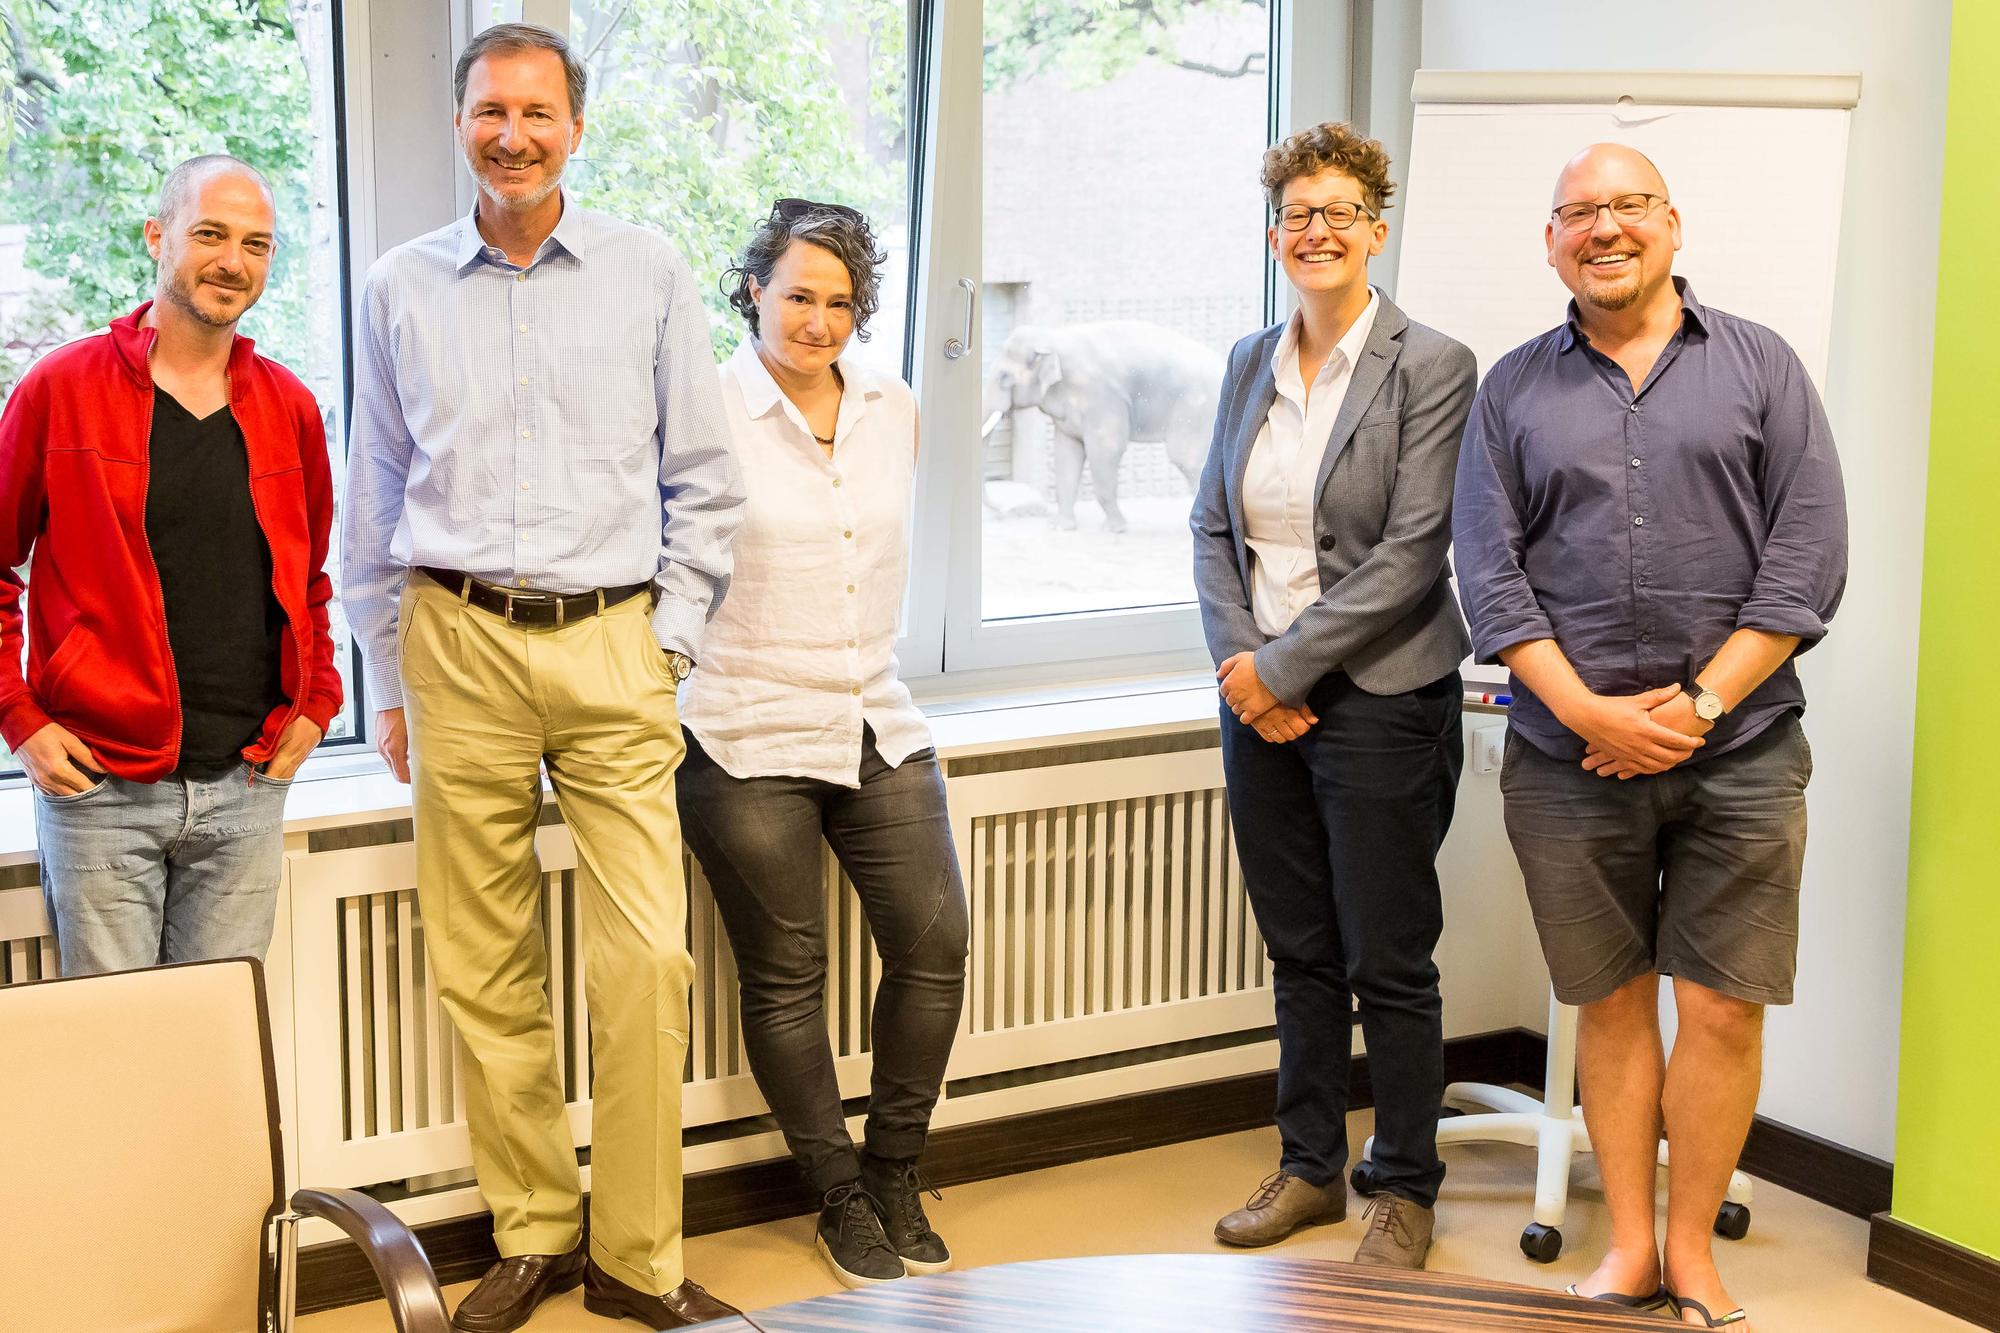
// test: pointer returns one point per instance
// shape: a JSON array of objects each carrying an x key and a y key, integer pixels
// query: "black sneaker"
[
  {"x": 851, "y": 1238},
  {"x": 901, "y": 1187}
]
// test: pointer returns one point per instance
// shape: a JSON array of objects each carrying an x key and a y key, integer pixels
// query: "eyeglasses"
[
  {"x": 791, "y": 210},
  {"x": 1339, "y": 215},
  {"x": 1627, "y": 210}
]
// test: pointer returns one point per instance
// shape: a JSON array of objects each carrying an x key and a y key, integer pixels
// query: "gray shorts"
[{"x": 1691, "y": 873}]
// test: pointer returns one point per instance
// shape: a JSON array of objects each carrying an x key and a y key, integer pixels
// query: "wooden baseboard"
[
  {"x": 1822, "y": 1170},
  {"x": 1933, "y": 1270},
  {"x": 335, "y": 1274}
]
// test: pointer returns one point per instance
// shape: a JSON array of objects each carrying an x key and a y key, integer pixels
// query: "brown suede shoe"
[
  {"x": 1399, "y": 1233},
  {"x": 512, "y": 1289},
  {"x": 1281, "y": 1205},
  {"x": 686, "y": 1304}
]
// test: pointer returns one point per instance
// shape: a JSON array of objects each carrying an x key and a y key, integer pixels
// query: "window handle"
[{"x": 954, "y": 348}]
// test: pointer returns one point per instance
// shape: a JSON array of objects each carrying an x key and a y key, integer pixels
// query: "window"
[
  {"x": 1069, "y": 189},
  {"x": 1123, "y": 225},
  {"x": 104, "y": 97},
  {"x": 701, "y": 112},
  {"x": 1114, "y": 235}
]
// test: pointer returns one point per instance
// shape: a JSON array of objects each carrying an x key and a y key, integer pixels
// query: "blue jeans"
[{"x": 175, "y": 871}]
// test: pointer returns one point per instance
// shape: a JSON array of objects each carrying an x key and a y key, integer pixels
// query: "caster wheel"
[
  {"x": 1540, "y": 1243},
  {"x": 1363, "y": 1178},
  {"x": 1732, "y": 1222}
]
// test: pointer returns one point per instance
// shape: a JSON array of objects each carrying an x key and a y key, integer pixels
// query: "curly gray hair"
[{"x": 833, "y": 227}]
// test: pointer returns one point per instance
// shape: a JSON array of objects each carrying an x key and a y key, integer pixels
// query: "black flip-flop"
[
  {"x": 1658, "y": 1298},
  {"x": 1708, "y": 1320}
]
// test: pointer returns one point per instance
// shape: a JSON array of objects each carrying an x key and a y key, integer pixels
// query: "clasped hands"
[
  {"x": 1254, "y": 704},
  {"x": 1627, "y": 735}
]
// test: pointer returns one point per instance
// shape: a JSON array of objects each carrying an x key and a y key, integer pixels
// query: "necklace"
[{"x": 825, "y": 441}]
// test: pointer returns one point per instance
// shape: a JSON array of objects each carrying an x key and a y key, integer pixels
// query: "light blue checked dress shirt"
[{"x": 555, "y": 427}]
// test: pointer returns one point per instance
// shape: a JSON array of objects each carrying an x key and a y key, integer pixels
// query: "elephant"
[{"x": 1104, "y": 385}]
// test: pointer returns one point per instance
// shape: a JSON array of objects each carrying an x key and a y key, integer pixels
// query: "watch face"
[{"x": 1708, "y": 705}]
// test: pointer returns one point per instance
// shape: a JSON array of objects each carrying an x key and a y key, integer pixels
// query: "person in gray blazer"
[{"x": 1320, "y": 532}]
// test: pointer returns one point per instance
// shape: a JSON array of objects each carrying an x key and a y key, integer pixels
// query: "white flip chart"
[{"x": 1758, "y": 181}]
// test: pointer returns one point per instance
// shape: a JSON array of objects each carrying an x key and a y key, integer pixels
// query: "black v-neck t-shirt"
[{"x": 224, "y": 624}]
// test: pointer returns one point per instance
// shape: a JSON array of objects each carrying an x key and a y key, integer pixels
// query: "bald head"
[
  {"x": 1605, "y": 170},
  {"x": 184, "y": 183}
]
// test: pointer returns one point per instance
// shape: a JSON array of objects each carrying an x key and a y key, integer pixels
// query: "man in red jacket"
[{"x": 173, "y": 487}]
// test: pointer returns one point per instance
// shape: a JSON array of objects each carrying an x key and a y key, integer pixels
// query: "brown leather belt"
[{"x": 527, "y": 606}]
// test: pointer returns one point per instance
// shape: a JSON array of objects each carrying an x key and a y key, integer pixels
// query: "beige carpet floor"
[{"x": 1800, "y": 1270}]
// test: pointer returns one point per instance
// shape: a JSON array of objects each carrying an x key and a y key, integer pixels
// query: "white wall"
[{"x": 1831, "y": 1061}]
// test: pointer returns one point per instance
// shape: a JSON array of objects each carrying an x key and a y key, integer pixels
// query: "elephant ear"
[{"x": 1047, "y": 370}]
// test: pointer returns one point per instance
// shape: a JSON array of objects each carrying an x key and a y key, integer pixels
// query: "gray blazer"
[{"x": 1385, "y": 614}]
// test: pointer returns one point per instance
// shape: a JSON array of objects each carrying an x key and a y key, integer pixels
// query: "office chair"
[{"x": 143, "y": 1185}]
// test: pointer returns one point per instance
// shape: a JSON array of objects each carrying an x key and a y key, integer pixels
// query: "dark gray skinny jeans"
[{"x": 758, "y": 841}]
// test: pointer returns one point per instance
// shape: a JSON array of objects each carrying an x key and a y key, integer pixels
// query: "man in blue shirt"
[
  {"x": 1650, "y": 526},
  {"x": 540, "y": 503}
]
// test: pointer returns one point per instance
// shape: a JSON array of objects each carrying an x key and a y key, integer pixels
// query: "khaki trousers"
[{"x": 487, "y": 704}]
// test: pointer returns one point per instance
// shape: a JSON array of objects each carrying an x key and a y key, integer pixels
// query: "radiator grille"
[
  {"x": 1107, "y": 916},
  {"x": 1082, "y": 910},
  {"x": 30, "y": 959},
  {"x": 399, "y": 1053}
]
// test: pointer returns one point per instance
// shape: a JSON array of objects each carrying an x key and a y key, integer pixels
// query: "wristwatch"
[
  {"x": 680, "y": 664},
  {"x": 1707, "y": 703}
]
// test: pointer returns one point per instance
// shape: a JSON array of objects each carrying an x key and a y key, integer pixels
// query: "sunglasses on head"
[{"x": 791, "y": 210}]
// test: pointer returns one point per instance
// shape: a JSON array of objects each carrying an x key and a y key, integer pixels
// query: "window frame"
[
  {"x": 348, "y": 79},
  {"x": 398, "y": 176},
  {"x": 964, "y": 651}
]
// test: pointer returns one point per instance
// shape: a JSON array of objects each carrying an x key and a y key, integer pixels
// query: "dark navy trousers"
[{"x": 1338, "y": 834}]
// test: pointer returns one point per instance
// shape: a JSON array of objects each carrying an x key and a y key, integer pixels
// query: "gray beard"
[{"x": 517, "y": 202}]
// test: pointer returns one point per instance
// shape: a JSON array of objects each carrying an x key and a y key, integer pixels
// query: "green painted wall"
[{"x": 1948, "y": 1099}]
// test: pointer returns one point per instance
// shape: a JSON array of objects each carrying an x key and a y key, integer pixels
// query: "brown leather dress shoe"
[
  {"x": 686, "y": 1304},
  {"x": 512, "y": 1289},
  {"x": 1399, "y": 1233},
  {"x": 1280, "y": 1206}
]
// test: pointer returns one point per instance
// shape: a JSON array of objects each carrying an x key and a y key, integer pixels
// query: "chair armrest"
[{"x": 392, "y": 1250}]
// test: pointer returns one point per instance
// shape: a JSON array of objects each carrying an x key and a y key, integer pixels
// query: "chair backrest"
[{"x": 139, "y": 1150}]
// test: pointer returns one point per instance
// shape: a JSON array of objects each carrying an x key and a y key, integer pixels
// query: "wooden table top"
[{"x": 1182, "y": 1293}]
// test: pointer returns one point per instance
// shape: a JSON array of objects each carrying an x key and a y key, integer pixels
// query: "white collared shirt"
[
  {"x": 802, "y": 651},
  {"x": 1279, "y": 479}
]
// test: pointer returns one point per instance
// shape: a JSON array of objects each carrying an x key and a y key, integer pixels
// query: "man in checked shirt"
[
  {"x": 1650, "y": 526},
  {"x": 540, "y": 503}
]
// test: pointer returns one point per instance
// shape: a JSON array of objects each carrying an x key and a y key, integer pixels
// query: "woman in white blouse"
[
  {"x": 1320, "y": 529},
  {"x": 799, "y": 731}
]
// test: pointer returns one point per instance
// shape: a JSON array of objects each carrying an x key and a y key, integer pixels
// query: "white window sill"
[{"x": 337, "y": 790}]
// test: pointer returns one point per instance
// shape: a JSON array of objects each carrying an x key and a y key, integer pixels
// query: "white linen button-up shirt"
[
  {"x": 1278, "y": 480},
  {"x": 802, "y": 651}
]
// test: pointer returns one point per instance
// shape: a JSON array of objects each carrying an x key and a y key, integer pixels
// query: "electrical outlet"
[{"x": 1488, "y": 745}]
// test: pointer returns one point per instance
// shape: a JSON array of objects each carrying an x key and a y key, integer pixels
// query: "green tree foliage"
[
  {"x": 701, "y": 113},
  {"x": 1093, "y": 41},
  {"x": 105, "y": 97}
]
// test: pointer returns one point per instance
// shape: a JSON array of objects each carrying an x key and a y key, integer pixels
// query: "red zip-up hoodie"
[{"x": 75, "y": 457}]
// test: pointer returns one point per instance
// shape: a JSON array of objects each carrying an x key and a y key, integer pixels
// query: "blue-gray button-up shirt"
[
  {"x": 1640, "y": 530},
  {"x": 555, "y": 426}
]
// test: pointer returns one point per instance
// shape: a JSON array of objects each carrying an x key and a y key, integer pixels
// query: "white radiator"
[{"x": 1107, "y": 916}]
